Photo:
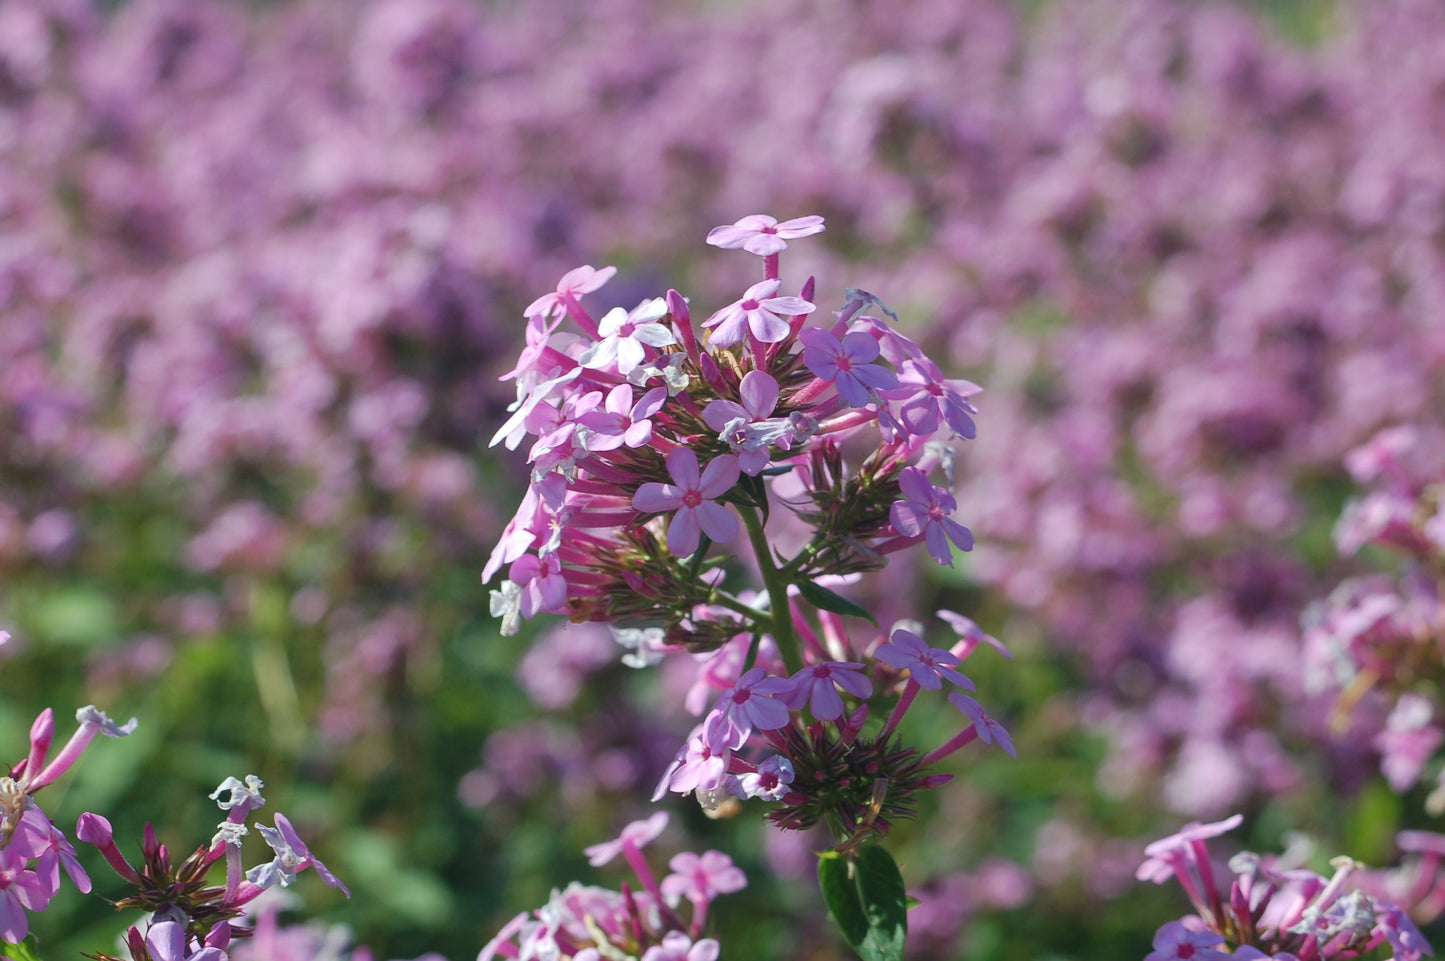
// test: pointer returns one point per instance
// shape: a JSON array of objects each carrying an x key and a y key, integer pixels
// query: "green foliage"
[{"x": 865, "y": 895}]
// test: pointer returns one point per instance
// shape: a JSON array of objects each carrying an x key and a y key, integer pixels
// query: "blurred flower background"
[{"x": 261, "y": 266}]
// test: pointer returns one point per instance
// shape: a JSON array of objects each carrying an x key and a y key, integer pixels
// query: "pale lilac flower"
[
  {"x": 621, "y": 421},
  {"x": 574, "y": 283},
  {"x": 924, "y": 510},
  {"x": 702, "y": 878},
  {"x": 747, "y": 427},
  {"x": 814, "y": 686},
  {"x": 989, "y": 730},
  {"x": 239, "y": 796},
  {"x": 636, "y": 835},
  {"x": 291, "y": 856},
  {"x": 753, "y": 703},
  {"x": 93, "y": 721},
  {"x": 677, "y": 946},
  {"x": 759, "y": 312},
  {"x": 59, "y": 853},
  {"x": 1175, "y": 942},
  {"x": 626, "y": 336},
  {"x": 929, "y": 400},
  {"x": 770, "y": 781},
  {"x": 763, "y": 235},
  {"x": 692, "y": 496},
  {"x": 167, "y": 941},
  {"x": 928, "y": 666},
  {"x": 847, "y": 364}
]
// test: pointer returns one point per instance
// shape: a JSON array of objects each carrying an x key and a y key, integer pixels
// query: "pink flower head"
[
  {"x": 989, "y": 730},
  {"x": 928, "y": 666},
  {"x": 763, "y": 235},
  {"x": 692, "y": 496},
  {"x": 574, "y": 283},
  {"x": 759, "y": 312},
  {"x": 814, "y": 686},
  {"x": 846, "y": 364},
  {"x": 1175, "y": 942},
  {"x": 702, "y": 878},
  {"x": 636, "y": 835},
  {"x": 924, "y": 510}
]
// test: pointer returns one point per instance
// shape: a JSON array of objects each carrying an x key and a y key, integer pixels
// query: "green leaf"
[
  {"x": 865, "y": 896},
  {"x": 24, "y": 951},
  {"x": 825, "y": 600}
]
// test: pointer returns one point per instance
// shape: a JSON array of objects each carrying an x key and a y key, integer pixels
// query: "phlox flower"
[
  {"x": 544, "y": 587},
  {"x": 752, "y": 703},
  {"x": 167, "y": 941},
  {"x": 636, "y": 835},
  {"x": 291, "y": 856},
  {"x": 692, "y": 495},
  {"x": 763, "y": 235},
  {"x": 574, "y": 283},
  {"x": 927, "y": 666},
  {"x": 929, "y": 401},
  {"x": 626, "y": 336},
  {"x": 846, "y": 364},
  {"x": 815, "y": 687},
  {"x": 924, "y": 511},
  {"x": 20, "y": 889},
  {"x": 770, "y": 781},
  {"x": 1175, "y": 942},
  {"x": 759, "y": 312},
  {"x": 746, "y": 426},
  {"x": 677, "y": 946},
  {"x": 621, "y": 421},
  {"x": 989, "y": 730},
  {"x": 701, "y": 878}
]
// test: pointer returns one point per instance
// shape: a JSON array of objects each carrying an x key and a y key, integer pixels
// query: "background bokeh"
[{"x": 261, "y": 265}]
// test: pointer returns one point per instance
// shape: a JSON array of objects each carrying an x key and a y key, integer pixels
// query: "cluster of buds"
[
  {"x": 657, "y": 438},
  {"x": 1383, "y": 636},
  {"x": 1271, "y": 910},
  {"x": 189, "y": 919},
  {"x": 585, "y": 923}
]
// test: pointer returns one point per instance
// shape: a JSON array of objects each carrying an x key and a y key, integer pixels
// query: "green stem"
[
  {"x": 724, "y": 599},
  {"x": 777, "y": 585}
]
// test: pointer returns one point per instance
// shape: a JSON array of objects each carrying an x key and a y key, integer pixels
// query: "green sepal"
[
  {"x": 24, "y": 951},
  {"x": 866, "y": 898},
  {"x": 825, "y": 600}
]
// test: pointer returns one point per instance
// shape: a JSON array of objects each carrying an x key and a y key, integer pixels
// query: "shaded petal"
[
  {"x": 719, "y": 477},
  {"x": 654, "y": 498},
  {"x": 682, "y": 466},
  {"x": 684, "y": 534},
  {"x": 759, "y": 392},
  {"x": 720, "y": 523}
]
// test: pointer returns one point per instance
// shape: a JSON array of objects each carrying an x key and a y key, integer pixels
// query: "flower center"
[
  {"x": 691, "y": 498},
  {"x": 749, "y": 305}
]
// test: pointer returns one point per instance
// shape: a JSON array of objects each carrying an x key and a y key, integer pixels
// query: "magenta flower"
[
  {"x": 928, "y": 666},
  {"x": 846, "y": 364},
  {"x": 574, "y": 283},
  {"x": 702, "y": 878},
  {"x": 692, "y": 496},
  {"x": 1175, "y": 942},
  {"x": 924, "y": 510},
  {"x": 763, "y": 235},
  {"x": 815, "y": 686},
  {"x": 989, "y": 730},
  {"x": 759, "y": 312},
  {"x": 636, "y": 835},
  {"x": 20, "y": 889}
]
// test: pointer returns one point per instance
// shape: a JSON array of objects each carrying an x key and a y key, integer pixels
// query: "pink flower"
[
  {"x": 759, "y": 312},
  {"x": 691, "y": 495},
  {"x": 746, "y": 427},
  {"x": 989, "y": 730},
  {"x": 770, "y": 781},
  {"x": 574, "y": 283},
  {"x": 929, "y": 400},
  {"x": 626, "y": 336},
  {"x": 20, "y": 889},
  {"x": 636, "y": 835},
  {"x": 752, "y": 702},
  {"x": 291, "y": 856},
  {"x": 763, "y": 235},
  {"x": 702, "y": 878},
  {"x": 928, "y": 666},
  {"x": 814, "y": 686},
  {"x": 167, "y": 941},
  {"x": 621, "y": 421},
  {"x": 677, "y": 946},
  {"x": 544, "y": 588},
  {"x": 924, "y": 510},
  {"x": 846, "y": 364},
  {"x": 1175, "y": 942}
]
